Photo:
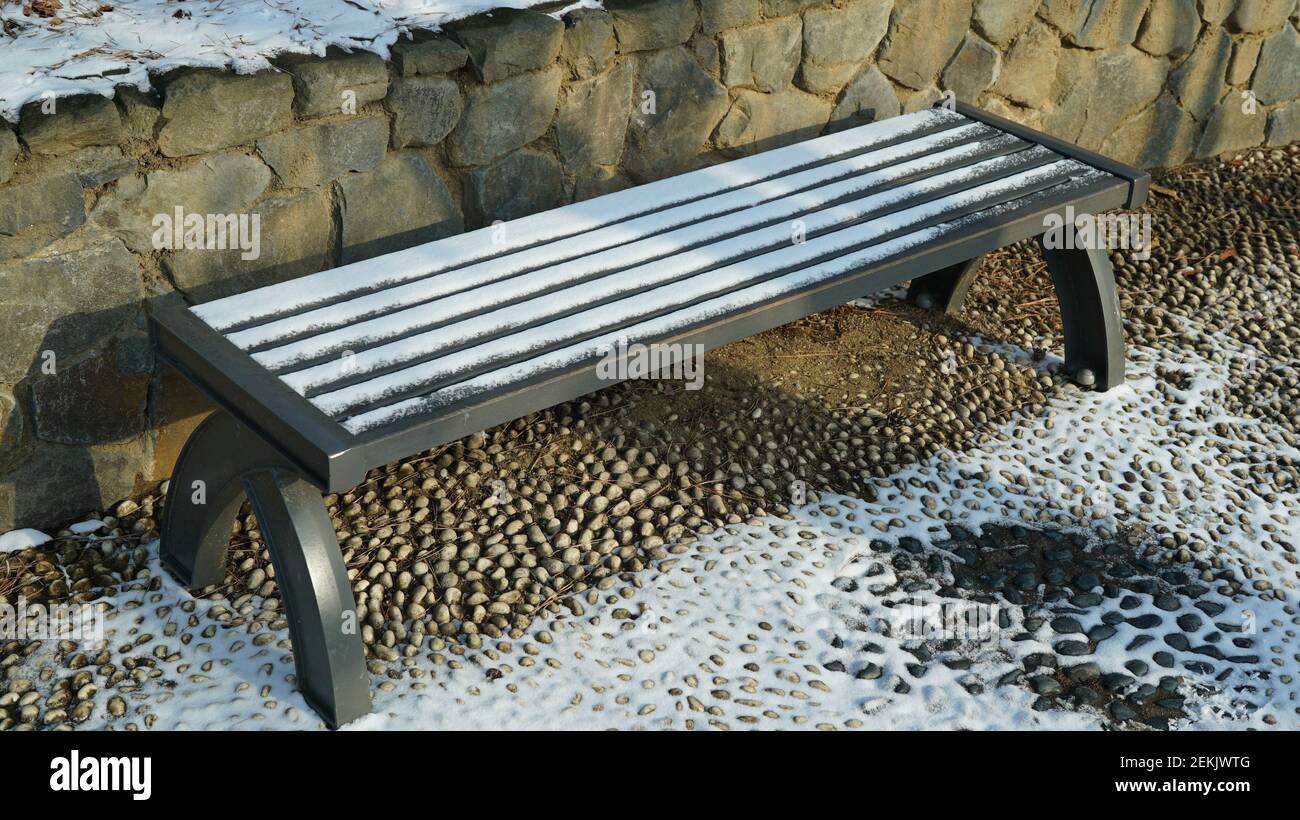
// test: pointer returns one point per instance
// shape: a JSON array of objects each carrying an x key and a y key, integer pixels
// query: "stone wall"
[{"x": 349, "y": 156}]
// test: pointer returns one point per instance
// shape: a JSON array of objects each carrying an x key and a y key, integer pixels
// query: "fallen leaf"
[{"x": 46, "y": 8}]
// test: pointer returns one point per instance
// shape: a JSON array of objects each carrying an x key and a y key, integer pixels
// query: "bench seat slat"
[
  {"x": 870, "y": 218},
  {"x": 491, "y": 292},
  {"x": 968, "y": 141},
  {"x": 666, "y": 325},
  {"x": 855, "y": 245},
  {"x": 555, "y": 226}
]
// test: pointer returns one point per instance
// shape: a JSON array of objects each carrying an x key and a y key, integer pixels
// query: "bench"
[{"x": 322, "y": 378}]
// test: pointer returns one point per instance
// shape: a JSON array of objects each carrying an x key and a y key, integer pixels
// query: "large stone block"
[
  {"x": 1028, "y": 74},
  {"x": 975, "y": 68},
  {"x": 1277, "y": 79},
  {"x": 55, "y": 483},
  {"x": 836, "y": 41},
  {"x": 1163, "y": 135},
  {"x": 785, "y": 8},
  {"x": 34, "y": 214},
  {"x": 99, "y": 399},
  {"x": 225, "y": 184},
  {"x": 914, "y": 101},
  {"x": 592, "y": 122},
  {"x": 923, "y": 36},
  {"x": 706, "y": 52},
  {"x": 1101, "y": 90},
  {"x": 1001, "y": 21},
  {"x": 869, "y": 98},
  {"x": 1245, "y": 56},
  {"x": 1215, "y": 12},
  {"x": 209, "y": 110},
  {"x": 8, "y": 153},
  {"x": 319, "y": 154},
  {"x": 675, "y": 107},
  {"x": 997, "y": 106},
  {"x": 525, "y": 182},
  {"x": 1098, "y": 24},
  {"x": 642, "y": 25},
  {"x": 1257, "y": 16},
  {"x": 509, "y": 42},
  {"x": 339, "y": 83},
  {"x": 97, "y": 165},
  {"x": 716, "y": 15},
  {"x": 428, "y": 54},
  {"x": 176, "y": 407},
  {"x": 503, "y": 116},
  {"x": 1284, "y": 125},
  {"x": 424, "y": 109},
  {"x": 598, "y": 181},
  {"x": 1170, "y": 28},
  {"x": 401, "y": 203},
  {"x": 589, "y": 43},
  {"x": 65, "y": 300},
  {"x": 293, "y": 238},
  {"x": 759, "y": 122},
  {"x": 1198, "y": 81},
  {"x": 765, "y": 56},
  {"x": 13, "y": 427},
  {"x": 140, "y": 112},
  {"x": 1233, "y": 127},
  {"x": 73, "y": 122}
]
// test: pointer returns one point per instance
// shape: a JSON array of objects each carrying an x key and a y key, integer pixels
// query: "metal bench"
[{"x": 322, "y": 378}]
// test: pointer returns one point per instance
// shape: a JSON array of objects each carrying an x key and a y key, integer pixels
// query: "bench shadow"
[
  {"x": 86, "y": 387},
  {"x": 93, "y": 384}
]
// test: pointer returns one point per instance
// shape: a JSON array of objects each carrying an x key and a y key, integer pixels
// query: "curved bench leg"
[
  {"x": 221, "y": 463},
  {"x": 317, "y": 596},
  {"x": 203, "y": 499},
  {"x": 945, "y": 289},
  {"x": 1094, "y": 334}
]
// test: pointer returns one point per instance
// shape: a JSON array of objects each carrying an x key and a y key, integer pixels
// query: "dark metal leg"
[
  {"x": 1094, "y": 335},
  {"x": 203, "y": 499},
  {"x": 221, "y": 463},
  {"x": 945, "y": 289},
  {"x": 317, "y": 596}
]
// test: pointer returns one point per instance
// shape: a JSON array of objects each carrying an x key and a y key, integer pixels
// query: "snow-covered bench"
[{"x": 322, "y": 378}]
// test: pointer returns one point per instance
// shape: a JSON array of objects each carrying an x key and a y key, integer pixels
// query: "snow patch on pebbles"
[{"x": 16, "y": 540}]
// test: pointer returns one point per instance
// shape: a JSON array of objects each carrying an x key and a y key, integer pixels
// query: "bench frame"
[{"x": 271, "y": 445}]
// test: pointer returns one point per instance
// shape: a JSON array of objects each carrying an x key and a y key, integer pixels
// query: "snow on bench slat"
[
  {"x": 486, "y": 295},
  {"x": 420, "y": 261},
  {"x": 724, "y": 279},
  {"x": 661, "y": 271},
  {"x": 368, "y": 305},
  {"x": 664, "y": 326},
  {"x": 610, "y": 238}
]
